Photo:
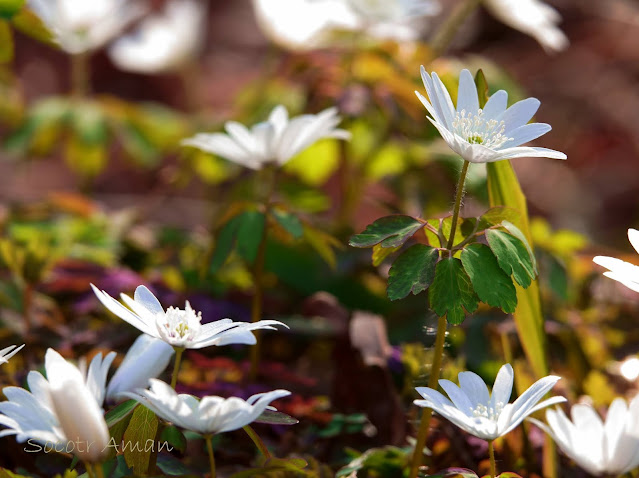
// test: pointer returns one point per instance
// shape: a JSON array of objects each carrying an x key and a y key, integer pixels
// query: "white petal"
[
  {"x": 146, "y": 298},
  {"x": 125, "y": 314},
  {"x": 503, "y": 387},
  {"x": 527, "y": 152},
  {"x": 496, "y": 104},
  {"x": 525, "y": 133},
  {"x": 458, "y": 397},
  {"x": 519, "y": 114},
  {"x": 475, "y": 388},
  {"x": 467, "y": 99},
  {"x": 633, "y": 237}
]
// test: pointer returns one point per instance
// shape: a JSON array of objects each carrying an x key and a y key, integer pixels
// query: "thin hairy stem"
[
  {"x": 491, "y": 453},
  {"x": 176, "y": 367},
  {"x": 80, "y": 75},
  {"x": 422, "y": 433},
  {"x": 258, "y": 441},
  {"x": 209, "y": 447},
  {"x": 458, "y": 200}
]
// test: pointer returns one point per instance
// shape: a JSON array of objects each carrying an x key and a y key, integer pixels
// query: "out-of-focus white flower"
[
  {"x": 621, "y": 271},
  {"x": 483, "y": 135},
  {"x": 163, "y": 42},
  {"x": 147, "y": 358},
  {"x": 276, "y": 140},
  {"x": 61, "y": 411},
  {"x": 610, "y": 448},
  {"x": 311, "y": 24},
  {"x": 7, "y": 353},
  {"x": 180, "y": 328},
  {"x": 84, "y": 25},
  {"x": 532, "y": 17},
  {"x": 475, "y": 411},
  {"x": 207, "y": 416}
]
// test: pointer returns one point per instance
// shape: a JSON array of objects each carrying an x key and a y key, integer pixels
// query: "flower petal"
[
  {"x": 503, "y": 387},
  {"x": 496, "y": 104},
  {"x": 467, "y": 98},
  {"x": 519, "y": 114},
  {"x": 475, "y": 388},
  {"x": 525, "y": 133}
]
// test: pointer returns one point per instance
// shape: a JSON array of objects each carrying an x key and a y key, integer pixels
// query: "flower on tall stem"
[
  {"x": 532, "y": 17},
  {"x": 483, "y": 135},
  {"x": 274, "y": 141},
  {"x": 8, "y": 352},
  {"x": 600, "y": 448},
  {"x": 621, "y": 271},
  {"x": 163, "y": 42},
  {"x": 180, "y": 328},
  {"x": 487, "y": 416},
  {"x": 63, "y": 411}
]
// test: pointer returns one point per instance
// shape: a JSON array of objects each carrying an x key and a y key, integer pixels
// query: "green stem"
[
  {"x": 99, "y": 472},
  {"x": 458, "y": 200},
  {"x": 176, "y": 368},
  {"x": 446, "y": 32},
  {"x": 80, "y": 75},
  {"x": 422, "y": 433},
  {"x": 258, "y": 273},
  {"x": 258, "y": 441},
  {"x": 491, "y": 453},
  {"x": 89, "y": 468},
  {"x": 209, "y": 447}
]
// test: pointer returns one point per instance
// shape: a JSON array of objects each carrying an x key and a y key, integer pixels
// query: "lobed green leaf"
[
  {"x": 139, "y": 434},
  {"x": 389, "y": 231},
  {"x": 452, "y": 291},
  {"x": 512, "y": 255},
  {"x": 413, "y": 271}
]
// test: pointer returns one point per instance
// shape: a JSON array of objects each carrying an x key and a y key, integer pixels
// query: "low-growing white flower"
[
  {"x": 147, "y": 358},
  {"x": 600, "y": 448},
  {"x": 64, "y": 410},
  {"x": 80, "y": 26},
  {"x": 532, "y": 17},
  {"x": 276, "y": 140},
  {"x": 163, "y": 42},
  {"x": 483, "y": 135},
  {"x": 481, "y": 414},
  {"x": 209, "y": 415},
  {"x": 7, "y": 353},
  {"x": 181, "y": 328},
  {"x": 621, "y": 271}
]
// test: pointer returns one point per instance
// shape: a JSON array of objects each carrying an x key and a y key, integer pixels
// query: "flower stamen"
[{"x": 476, "y": 129}]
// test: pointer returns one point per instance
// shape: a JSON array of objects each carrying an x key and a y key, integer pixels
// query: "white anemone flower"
[
  {"x": 180, "y": 328},
  {"x": 483, "y": 135},
  {"x": 532, "y": 17},
  {"x": 80, "y": 25},
  {"x": 7, "y": 353},
  {"x": 61, "y": 411},
  {"x": 163, "y": 42},
  {"x": 601, "y": 448},
  {"x": 147, "y": 358},
  {"x": 481, "y": 414},
  {"x": 209, "y": 415},
  {"x": 276, "y": 140},
  {"x": 621, "y": 271}
]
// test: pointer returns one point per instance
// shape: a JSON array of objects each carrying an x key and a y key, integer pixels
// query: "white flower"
[
  {"x": 147, "y": 358},
  {"x": 180, "y": 327},
  {"x": 207, "y": 416},
  {"x": 276, "y": 140},
  {"x": 532, "y": 17},
  {"x": 621, "y": 271},
  {"x": 84, "y": 25},
  {"x": 61, "y": 410},
  {"x": 483, "y": 135},
  {"x": 163, "y": 42},
  {"x": 486, "y": 416},
  {"x": 610, "y": 448},
  {"x": 7, "y": 353}
]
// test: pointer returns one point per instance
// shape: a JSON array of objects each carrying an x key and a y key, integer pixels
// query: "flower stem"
[
  {"x": 80, "y": 75},
  {"x": 422, "y": 433},
  {"x": 258, "y": 441},
  {"x": 89, "y": 468},
  {"x": 99, "y": 472},
  {"x": 491, "y": 453},
  {"x": 446, "y": 32},
  {"x": 176, "y": 368},
  {"x": 458, "y": 200},
  {"x": 209, "y": 447}
]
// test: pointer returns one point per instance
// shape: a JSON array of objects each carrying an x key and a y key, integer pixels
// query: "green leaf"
[
  {"x": 224, "y": 244},
  {"x": 6, "y": 42},
  {"x": 515, "y": 231},
  {"x": 139, "y": 440},
  {"x": 8, "y": 8},
  {"x": 30, "y": 24},
  {"x": 174, "y": 437},
  {"x": 389, "y": 231},
  {"x": 496, "y": 215},
  {"x": 273, "y": 417},
  {"x": 290, "y": 222},
  {"x": 512, "y": 255},
  {"x": 491, "y": 284},
  {"x": 381, "y": 253},
  {"x": 413, "y": 271},
  {"x": 120, "y": 412},
  {"x": 249, "y": 234},
  {"x": 482, "y": 88},
  {"x": 452, "y": 291},
  {"x": 455, "y": 473}
]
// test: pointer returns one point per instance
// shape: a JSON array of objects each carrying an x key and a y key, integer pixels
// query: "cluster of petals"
[
  {"x": 165, "y": 41},
  {"x": 484, "y": 415},
  {"x": 621, "y": 271},
  {"x": 7, "y": 353},
  {"x": 80, "y": 26},
  {"x": 311, "y": 24},
  {"x": 532, "y": 17},
  {"x": 209, "y": 415},
  {"x": 483, "y": 135},
  {"x": 276, "y": 140},
  {"x": 601, "y": 448}
]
